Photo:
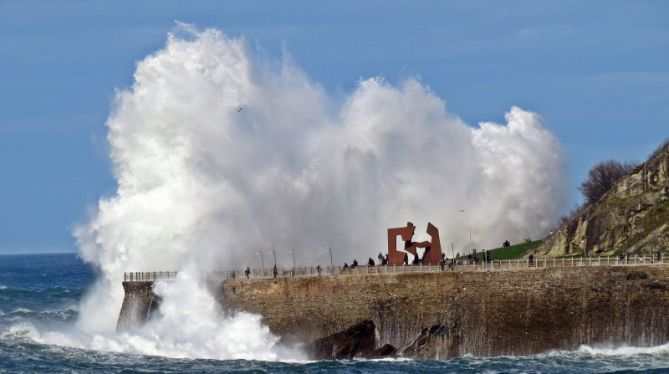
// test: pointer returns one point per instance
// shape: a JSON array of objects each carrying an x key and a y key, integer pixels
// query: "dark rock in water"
[
  {"x": 432, "y": 343},
  {"x": 386, "y": 351},
  {"x": 357, "y": 339}
]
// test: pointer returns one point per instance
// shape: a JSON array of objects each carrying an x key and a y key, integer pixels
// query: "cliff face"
[
  {"x": 482, "y": 313},
  {"x": 633, "y": 217}
]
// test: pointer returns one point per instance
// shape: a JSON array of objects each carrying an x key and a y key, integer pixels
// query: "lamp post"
[
  {"x": 262, "y": 260},
  {"x": 331, "y": 263},
  {"x": 262, "y": 263},
  {"x": 468, "y": 227},
  {"x": 274, "y": 253}
]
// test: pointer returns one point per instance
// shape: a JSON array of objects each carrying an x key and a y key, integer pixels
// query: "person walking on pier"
[
  {"x": 318, "y": 270},
  {"x": 370, "y": 262},
  {"x": 247, "y": 272}
]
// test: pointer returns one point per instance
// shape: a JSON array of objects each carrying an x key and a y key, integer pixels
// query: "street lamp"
[
  {"x": 470, "y": 229},
  {"x": 274, "y": 253},
  {"x": 331, "y": 263},
  {"x": 262, "y": 260}
]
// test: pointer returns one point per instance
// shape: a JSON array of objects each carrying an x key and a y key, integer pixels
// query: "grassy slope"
[{"x": 512, "y": 252}]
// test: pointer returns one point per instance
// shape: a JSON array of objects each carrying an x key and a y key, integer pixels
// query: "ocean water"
[{"x": 41, "y": 293}]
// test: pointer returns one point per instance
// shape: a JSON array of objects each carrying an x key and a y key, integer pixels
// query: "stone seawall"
[
  {"x": 138, "y": 304},
  {"x": 486, "y": 313}
]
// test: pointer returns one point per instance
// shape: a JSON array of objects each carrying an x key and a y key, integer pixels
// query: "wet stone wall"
[{"x": 487, "y": 313}]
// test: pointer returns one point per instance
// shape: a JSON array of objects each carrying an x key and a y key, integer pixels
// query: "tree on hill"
[{"x": 602, "y": 177}]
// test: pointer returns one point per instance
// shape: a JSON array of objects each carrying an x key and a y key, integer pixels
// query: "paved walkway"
[{"x": 495, "y": 265}]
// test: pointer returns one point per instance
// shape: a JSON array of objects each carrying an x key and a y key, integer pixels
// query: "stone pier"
[{"x": 486, "y": 313}]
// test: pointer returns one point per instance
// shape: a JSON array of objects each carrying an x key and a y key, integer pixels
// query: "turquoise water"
[{"x": 41, "y": 293}]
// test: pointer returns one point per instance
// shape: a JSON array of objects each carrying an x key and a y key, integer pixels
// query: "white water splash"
[
  {"x": 610, "y": 350},
  {"x": 217, "y": 155},
  {"x": 190, "y": 324}
]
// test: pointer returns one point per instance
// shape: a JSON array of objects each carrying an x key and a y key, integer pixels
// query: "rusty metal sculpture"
[{"x": 432, "y": 253}]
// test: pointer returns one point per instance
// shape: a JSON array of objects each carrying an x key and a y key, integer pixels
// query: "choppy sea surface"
[{"x": 42, "y": 292}]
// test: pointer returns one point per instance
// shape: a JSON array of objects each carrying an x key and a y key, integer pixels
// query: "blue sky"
[{"x": 597, "y": 71}]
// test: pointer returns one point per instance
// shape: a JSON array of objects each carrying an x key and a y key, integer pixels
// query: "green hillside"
[{"x": 510, "y": 253}]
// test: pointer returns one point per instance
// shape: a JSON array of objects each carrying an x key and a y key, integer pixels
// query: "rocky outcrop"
[
  {"x": 433, "y": 342},
  {"x": 359, "y": 339},
  {"x": 633, "y": 217},
  {"x": 387, "y": 350}
]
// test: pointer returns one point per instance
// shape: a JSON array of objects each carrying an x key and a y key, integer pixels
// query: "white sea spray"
[{"x": 218, "y": 155}]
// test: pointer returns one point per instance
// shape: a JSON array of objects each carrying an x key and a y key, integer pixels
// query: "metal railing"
[
  {"x": 148, "y": 276},
  {"x": 450, "y": 266}
]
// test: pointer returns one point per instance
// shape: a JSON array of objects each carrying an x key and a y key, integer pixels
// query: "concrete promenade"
[{"x": 460, "y": 266}]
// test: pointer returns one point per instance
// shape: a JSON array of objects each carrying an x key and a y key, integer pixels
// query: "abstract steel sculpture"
[{"x": 432, "y": 253}]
